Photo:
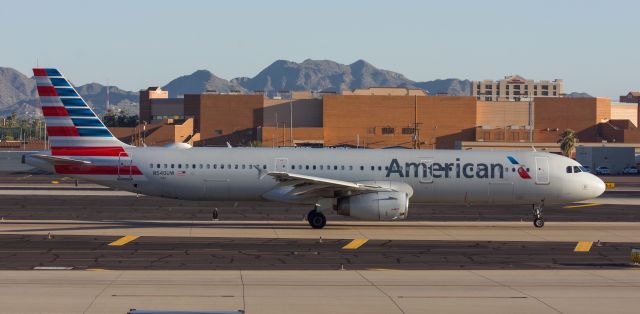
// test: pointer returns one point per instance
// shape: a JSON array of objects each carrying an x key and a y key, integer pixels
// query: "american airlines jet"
[{"x": 369, "y": 184}]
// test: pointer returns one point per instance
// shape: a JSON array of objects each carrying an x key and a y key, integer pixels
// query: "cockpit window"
[
  {"x": 569, "y": 169},
  {"x": 576, "y": 169}
]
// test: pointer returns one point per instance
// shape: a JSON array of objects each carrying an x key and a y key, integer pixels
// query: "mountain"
[
  {"x": 17, "y": 91},
  {"x": 317, "y": 75},
  {"x": 199, "y": 82},
  {"x": 453, "y": 87},
  {"x": 578, "y": 95},
  {"x": 96, "y": 96},
  {"x": 18, "y": 94},
  {"x": 320, "y": 75}
]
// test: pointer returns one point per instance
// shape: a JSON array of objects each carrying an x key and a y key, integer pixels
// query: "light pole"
[
  {"x": 291, "y": 118},
  {"x": 526, "y": 93}
]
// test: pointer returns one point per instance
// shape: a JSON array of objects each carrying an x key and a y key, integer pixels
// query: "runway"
[
  {"x": 96, "y": 205},
  {"x": 88, "y": 249},
  {"x": 22, "y": 252}
]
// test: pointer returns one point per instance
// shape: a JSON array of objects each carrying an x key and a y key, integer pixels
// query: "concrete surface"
[
  {"x": 442, "y": 231},
  {"x": 383, "y": 291}
]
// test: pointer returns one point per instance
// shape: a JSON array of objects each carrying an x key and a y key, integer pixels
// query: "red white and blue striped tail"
[{"x": 73, "y": 128}]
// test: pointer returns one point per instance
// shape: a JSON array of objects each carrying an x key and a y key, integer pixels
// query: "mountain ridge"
[{"x": 17, "y": 91}]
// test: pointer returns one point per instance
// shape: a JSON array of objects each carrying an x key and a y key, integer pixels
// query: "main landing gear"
[
  {"x": 316, "y": 219},
  {"x": 538, "y": 220}
]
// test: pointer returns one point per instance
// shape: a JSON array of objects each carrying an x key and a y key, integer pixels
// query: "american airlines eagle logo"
[{"x": 522, "y": 171}]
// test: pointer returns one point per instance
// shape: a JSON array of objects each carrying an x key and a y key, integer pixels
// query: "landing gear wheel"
[
  {"x": 538, "y": 222},
  {"x": 316, "y": 219}
]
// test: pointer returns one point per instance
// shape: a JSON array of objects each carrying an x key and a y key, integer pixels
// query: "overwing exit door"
[{"x": 280, "y": 164}]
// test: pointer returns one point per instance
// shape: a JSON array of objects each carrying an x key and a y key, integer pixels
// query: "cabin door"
[{"x": 542, "y": 170}]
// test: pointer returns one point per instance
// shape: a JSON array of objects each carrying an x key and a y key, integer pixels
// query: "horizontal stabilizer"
[{"x": 55, "y": 160}]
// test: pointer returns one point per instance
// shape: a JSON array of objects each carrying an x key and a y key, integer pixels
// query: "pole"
[
  {"x": 291, "y": 120},
  {"x": 284, "y": 135},
  {"x": 531, "y": 117}
]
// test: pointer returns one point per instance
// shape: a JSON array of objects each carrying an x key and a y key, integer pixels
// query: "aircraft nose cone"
[{"x": 598, "y": 186}]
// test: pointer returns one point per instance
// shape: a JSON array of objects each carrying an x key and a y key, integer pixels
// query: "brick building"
[
  {"x": 388, "y": 118},
  {"x": 631, "y": 97}
]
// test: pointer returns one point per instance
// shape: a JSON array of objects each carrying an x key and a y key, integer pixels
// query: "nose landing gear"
[
  {"x": 538, "y": 220},
  {"x": 316, "y": 219}
]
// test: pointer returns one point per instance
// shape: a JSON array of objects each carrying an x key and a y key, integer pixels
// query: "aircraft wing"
[{"x": 311, "y": 186}]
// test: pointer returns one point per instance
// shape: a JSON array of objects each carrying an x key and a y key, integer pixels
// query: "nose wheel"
[
  {"x": 316, "y": 219},
  {"x": 538, "y": 220}
]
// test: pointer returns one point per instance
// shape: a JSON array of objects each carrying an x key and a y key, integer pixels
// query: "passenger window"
[
  {"x": 243, "y": 166},
  {"x": 335, "y": 167},
  {"x": 229, "y": 166},
  {"x": 569, "y": 169},
  {"x": 361, "y": 168},
  {"x": 193, "y": 166},
  {"x": 373, "y": 168},
  {"x": 342, "y": 167},
  {"x": 235, "y": 166},
  {"x": 208, "y": 166},
  {"x": 379, "y": 168},
  {"x": 350, "y": 167},
  {"x": 306, "y": 167},
  {"x": 293, "y": 167},
  {"x": 179, "y": 166},
  {"x": 158, "y": 166},
  {"x": 264, "y": 167},
  {"x": 222, "y": 166},
  {"x": 172, "y": 165},
  {"x": 151, "y": 166},
  {"x": 314, "y": 167},
  {"x": 320, "y": 167},
  {"x": 576, "y": 169},
  {"x": 165, "y": 166}
]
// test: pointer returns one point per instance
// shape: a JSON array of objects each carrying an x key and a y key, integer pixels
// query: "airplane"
[{"x": 367, "y": 184}]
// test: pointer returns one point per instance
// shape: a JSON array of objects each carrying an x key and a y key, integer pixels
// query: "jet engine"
[{"x": 374, "y": 206}]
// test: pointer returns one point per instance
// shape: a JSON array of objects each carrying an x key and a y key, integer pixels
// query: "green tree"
[
  {"x": 13, "y": 120},
  {"x": 568, "y": 141}
]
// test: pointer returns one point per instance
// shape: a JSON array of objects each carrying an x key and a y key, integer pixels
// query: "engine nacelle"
[{"x": 375, "y": 206}]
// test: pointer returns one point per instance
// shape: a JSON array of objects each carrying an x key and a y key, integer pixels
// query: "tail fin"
[{"x": 73, "y": 128}]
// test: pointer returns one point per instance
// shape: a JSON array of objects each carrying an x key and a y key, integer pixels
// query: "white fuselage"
[{"x": 451, "y": 176}]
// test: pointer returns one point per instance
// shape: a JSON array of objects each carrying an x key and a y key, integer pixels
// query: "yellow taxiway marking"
[
  {"x": 581, "y": 205},
  {"x": 355, "y": 244},
  {"x": 583, "y": 246},
  {"x": 55, "y": 182},
  {"x": 124, "y": 240}
]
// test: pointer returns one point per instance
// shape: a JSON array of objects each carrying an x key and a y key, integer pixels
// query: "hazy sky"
[{"x": 592, "y": 45}]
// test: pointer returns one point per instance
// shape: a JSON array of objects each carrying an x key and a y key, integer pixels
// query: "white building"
[{"x": 516, "y": 88}]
